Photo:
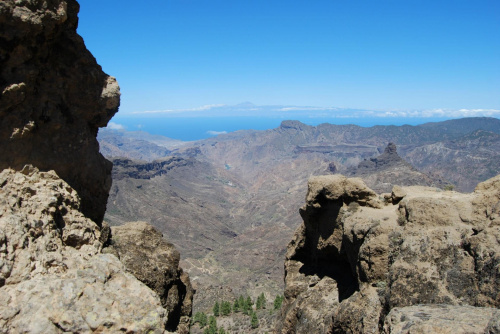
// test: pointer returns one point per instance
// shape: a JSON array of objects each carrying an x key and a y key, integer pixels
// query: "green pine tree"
[
  {"x": 236, "y": 306},
  {"x": 222, "y": 330},
  {"x": 216, "y": 309},
  {"x": 200, "y": 318},
  {"x": 212, "y": 325},
  {"x": 264, "y": 300},
  {"x": 241, "y": 302},
  {"x": 246, "y": 307},
  {"x": 225, "y": 308},
  {"x": 261, "y": 302},
  {"x": 255, "y": 321},
  {"x": 277, "y": 302}
]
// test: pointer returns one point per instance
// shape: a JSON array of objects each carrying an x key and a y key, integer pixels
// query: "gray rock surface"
[
  {"x": 53, "y": 277},
  {"x": 155, "y": 262},
  {"x": 358, "y": 260},
  {"x": 442, "y": 318},
  {"x": 53, "y": 98}
]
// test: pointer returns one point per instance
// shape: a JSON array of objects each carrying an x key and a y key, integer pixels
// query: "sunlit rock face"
[
  {"x": 53, "y": 98},
  {"x": 361, "y": 263},
  {"x": 53, "y": 276}
]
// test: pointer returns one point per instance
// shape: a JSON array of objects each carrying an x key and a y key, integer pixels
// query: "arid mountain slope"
[
  {"x": 347, "y": 145},
  {"x": 464, "y": 161},
  {"x": 230, "y": 203},
  {"x": 227, "y": 236}
]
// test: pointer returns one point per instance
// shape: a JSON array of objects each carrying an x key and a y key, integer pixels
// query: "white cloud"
[
  {"x": 115, "y": 126},
  {"x": 178, "y": 111},
  {"x": 305, "y": 108},
  {"x": 215, "y": 133}
]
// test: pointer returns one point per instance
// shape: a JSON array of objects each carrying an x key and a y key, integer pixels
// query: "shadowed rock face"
[
  {"x": 360, "y": 264},
  {"x": 54, "y": 97},
  {"x": 54, "y": 275}
]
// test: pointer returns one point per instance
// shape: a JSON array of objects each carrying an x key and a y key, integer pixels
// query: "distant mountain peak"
[
  {"x": 289, "y": 124},
  {"x": 246, "y": 105},
  {"x": 391, "y": 149}
]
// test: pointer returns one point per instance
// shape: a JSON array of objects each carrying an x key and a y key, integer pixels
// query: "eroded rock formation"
[
  {"x": 362, "y": 263},
  {"x": 54, "y": 275},
  {"x": 54, "y": 97}
]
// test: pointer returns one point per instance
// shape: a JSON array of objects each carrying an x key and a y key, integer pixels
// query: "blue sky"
[{"x": 375, "y": 54}]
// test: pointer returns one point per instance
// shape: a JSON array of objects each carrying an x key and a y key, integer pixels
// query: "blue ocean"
[{"x": 196, "y": 128}]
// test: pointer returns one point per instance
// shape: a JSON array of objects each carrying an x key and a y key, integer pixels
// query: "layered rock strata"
[
  {"x": 53, "y": 98},
  {"x": 362, "y": 263}
]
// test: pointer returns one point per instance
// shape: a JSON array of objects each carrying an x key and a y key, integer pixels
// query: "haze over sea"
[
  {"x": 196, "y": 128},
  {"x": 211, "y": 120}
]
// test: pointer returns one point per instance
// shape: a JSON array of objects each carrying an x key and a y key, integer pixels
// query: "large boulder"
[
  {"x": 359, "y": 259},
  {"x": 53, "y": 276},
  {"x": 53, "y": 98},
  {"x": 155, "y": 262}
]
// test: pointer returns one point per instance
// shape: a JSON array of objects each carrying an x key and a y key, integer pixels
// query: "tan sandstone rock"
[{"x": 355, "y": 261}]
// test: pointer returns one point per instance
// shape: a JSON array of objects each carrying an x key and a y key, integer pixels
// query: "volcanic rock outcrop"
[
  {"x": 382, "y": 172},
  {"x": 55, "y": 276},
  {"x": 155, "y": 262},
  {"x": 54, "y": 97},
  {"x": 415, "y": 263}
]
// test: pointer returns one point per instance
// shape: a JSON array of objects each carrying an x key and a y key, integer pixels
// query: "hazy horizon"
[{"x": 208, "y": 121}]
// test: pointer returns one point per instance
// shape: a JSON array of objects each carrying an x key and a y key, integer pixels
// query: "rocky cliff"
[
  {"x": 61, "y": 270},
  {"x": 54, "y": 97},
  {"x": 422, "y": 260}
]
